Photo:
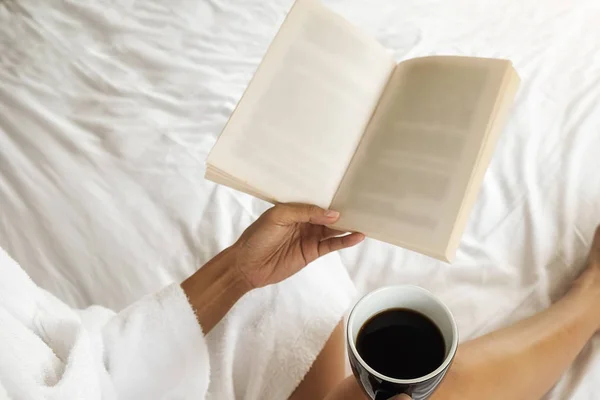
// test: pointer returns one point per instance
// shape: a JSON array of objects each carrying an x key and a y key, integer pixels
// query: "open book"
[{"x": 400, "y": 150}]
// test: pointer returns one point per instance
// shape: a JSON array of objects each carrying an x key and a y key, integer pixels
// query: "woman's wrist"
[{"x": 215, "y": 288}]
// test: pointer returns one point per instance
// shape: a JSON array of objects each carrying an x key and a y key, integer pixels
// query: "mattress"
[{"x": 108, "y": 111}]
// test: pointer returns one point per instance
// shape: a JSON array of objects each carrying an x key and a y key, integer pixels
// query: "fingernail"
[{"x": 332, "y": 214}]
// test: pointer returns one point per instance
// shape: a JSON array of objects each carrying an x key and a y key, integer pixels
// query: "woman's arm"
[{"x": 280, "y": 243}]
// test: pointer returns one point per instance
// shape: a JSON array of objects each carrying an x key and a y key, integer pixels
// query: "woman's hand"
[
  {"x": 280, "y": 243},
  {"x": 285, "y": 239}
]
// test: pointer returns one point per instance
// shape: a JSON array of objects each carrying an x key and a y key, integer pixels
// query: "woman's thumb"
[{"x": 401, "y": 397}]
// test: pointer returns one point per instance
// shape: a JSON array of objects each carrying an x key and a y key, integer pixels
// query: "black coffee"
[{"x": 401, "y": 344}]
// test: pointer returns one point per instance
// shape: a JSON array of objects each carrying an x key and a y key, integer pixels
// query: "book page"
[
  {"x": 412, "y": 169},
  {"x": 299, "y": 122}
]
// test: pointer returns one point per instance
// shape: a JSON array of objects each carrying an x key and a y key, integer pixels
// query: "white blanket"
[{"x": 108, "y": 110}]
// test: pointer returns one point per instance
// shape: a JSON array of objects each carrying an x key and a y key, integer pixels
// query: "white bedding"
[{"x": 107, "y": 112}]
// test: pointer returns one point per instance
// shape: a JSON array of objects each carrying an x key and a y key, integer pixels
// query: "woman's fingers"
[
  {"x": 340, "y": 242},
  {"x": 285, "y": 214}
]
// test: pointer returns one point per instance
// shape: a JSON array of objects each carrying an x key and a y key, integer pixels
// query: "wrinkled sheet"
[
  {"x": 106, "y": 116},
  {"x": 107, "y": 111}
]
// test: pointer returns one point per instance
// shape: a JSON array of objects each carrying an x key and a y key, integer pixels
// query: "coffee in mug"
[{"x": 401, "y": 343}]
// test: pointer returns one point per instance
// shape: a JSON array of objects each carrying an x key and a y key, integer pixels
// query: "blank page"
[
  {"x": 412, "y": 170},
  {"x": 299, "y": 122}
]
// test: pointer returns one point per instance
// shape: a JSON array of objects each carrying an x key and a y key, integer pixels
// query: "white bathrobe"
[{"x": 154, "y": 349}]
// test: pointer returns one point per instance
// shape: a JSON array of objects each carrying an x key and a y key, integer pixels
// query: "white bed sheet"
[
  {"x": 106, "y": 116},
  {"x": 147, "y": 89}
]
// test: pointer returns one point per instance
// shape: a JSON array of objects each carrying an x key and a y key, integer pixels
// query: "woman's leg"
[{"x": 525, "y": 360}]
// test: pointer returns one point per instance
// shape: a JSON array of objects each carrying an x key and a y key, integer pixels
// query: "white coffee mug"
[{"x": 378, "y": 386}]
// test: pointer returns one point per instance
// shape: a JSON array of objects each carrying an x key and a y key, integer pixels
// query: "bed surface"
[{"x": 108, "y": 110}]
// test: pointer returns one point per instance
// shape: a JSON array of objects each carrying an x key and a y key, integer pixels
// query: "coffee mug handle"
[{"x": 384, "y": 395}]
